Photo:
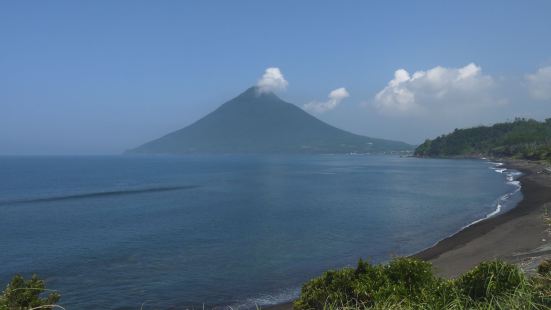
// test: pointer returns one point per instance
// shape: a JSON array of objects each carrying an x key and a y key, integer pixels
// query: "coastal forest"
[{"x": 522, "y": 138}]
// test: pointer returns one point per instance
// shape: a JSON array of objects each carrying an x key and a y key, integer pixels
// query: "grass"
[
  {"x": 547, "y": 219},
  {"x": 407, "y": 283}
]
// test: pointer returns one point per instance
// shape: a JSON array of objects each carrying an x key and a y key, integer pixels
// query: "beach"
[{"x": 521, "y": 236}]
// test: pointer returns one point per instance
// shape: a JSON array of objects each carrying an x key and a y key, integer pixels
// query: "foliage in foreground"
[
  {"x": 407, "y": 283},
  {"x": 21, "y": 294}
]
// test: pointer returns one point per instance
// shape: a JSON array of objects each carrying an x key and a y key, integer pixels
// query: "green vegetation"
[
  {"x": 545, "y": 267},
  {"x": 522, "y": 138},
  {"x": 407, "y": 283},
  {"x": 21, "y": 294}
]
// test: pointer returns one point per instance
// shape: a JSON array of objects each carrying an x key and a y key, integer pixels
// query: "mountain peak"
[{"x": 255, "y": 92}]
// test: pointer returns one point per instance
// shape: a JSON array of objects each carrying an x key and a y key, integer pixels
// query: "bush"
[
  {"x": 545, "y": 267},
  {"x": 406, "y": 283},
  {"x": 23, "y": 294},
  {"x": 403, "y": 279},
  {"x": 411, "y": 274},
  {"x": 491, "y": 279},
  {"x": 542, "y": 283},
  {"x": 406, "y": 279},
  {"x": 333, "y": 287}
]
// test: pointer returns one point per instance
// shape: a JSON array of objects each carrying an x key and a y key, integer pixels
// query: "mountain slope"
[
  {"x": 263, "y": 123},
  {"x": 522, "y": 138}
]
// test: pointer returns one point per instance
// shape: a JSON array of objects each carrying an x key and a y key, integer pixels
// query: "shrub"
[
  {"x": 23, "y": 294},
  {"x": 491, "y": 279},
  {"x": 545, "y": 267},
  {"x": 406, "y": 283},
  {"x": 406, "y": 279},
  {"x": 411, "y": 274},
  {"x": 542, "y": 283},
  {"x": 403, "y": 279},
  {"x": 332, "y": 287}
]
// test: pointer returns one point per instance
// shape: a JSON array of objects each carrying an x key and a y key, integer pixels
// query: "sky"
[{"x": 100, "y": 77}]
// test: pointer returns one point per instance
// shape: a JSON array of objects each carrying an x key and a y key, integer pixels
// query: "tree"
[{"x": 21, "y": 294}]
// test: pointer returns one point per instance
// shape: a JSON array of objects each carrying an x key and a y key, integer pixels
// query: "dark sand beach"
[{"x": 521, "y": 236}]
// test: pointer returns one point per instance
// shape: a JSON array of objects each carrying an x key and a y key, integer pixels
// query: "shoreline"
[
  {"x": 519, "y": 236},
  {"x": 516, "y": 236}
]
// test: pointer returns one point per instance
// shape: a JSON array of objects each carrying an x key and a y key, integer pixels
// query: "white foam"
[
  {"x": 496, "y": 211},
  {"x": 511, "y": 179},
  {"x": 489, "y": 215},
  {"x": 280, "y": 297},
  {"x": 510, "y": 176}
]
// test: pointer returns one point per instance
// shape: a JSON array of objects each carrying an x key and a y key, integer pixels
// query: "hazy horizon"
[{"x": 103, "y": 77}]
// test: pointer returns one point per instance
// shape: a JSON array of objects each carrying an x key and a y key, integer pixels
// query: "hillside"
[
  {"x": 521, "y": 138},
  {"x": 256, "y": 122}
]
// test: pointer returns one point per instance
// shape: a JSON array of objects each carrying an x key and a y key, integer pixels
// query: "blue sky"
[{"x": 99, "y": 77}]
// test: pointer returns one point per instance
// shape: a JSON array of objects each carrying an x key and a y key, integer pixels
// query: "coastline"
[{"x": 519, "y": 236}]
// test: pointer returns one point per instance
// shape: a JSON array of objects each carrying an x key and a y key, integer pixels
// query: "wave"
[
  {"x": 489, "y": 215},
  {"x": 495, "y": 212},
  {"x": 511, "y": 179},
  {"x": 98, "y": 194},
  {"x": 283, "y": 296}
]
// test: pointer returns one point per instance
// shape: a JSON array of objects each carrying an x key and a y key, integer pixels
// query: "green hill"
[
  {"x": 256, "y": 122},
  {"x": 521, "y": 138}
]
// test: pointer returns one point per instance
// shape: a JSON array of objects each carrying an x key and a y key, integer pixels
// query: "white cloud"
[
  {"x": 335, "y": 97},
  {"x": 272, "y": 80},
  {"x": 539, "y": 84},
  {"x": 437, "y": 89}
]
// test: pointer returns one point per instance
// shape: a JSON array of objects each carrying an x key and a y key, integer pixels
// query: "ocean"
[{"x": 119, "y": 232}]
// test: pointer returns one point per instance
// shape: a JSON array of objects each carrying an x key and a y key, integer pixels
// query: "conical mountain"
[{"x": 255, "y": 122}]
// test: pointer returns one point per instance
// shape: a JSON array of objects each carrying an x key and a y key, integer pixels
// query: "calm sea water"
[{"x": 118, "y": 232}]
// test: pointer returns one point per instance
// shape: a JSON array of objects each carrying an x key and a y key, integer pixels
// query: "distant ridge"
[
  {"x": 255, "y": 122},
  {"x": 521, "y": 138}
]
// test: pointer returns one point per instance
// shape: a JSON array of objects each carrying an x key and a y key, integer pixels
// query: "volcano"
[{"x": 260, "y": 122}]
